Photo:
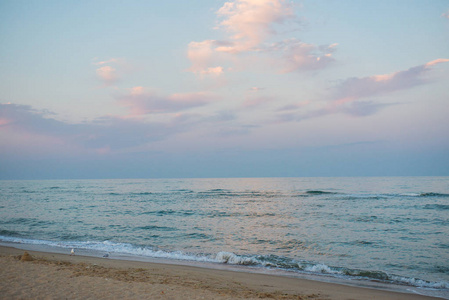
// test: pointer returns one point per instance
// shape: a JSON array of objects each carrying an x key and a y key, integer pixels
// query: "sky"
[{"x": 208, "y": 88}]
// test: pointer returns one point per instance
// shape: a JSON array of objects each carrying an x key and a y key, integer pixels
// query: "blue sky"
[{"x": 246, "y": 88}]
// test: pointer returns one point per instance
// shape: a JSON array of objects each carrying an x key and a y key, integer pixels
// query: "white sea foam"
[
  {"x": 420, "y": 283},
  {"x": 108, "y": 246},
  {"x": 231, "y": 258},
  {"x": 321, "y": 268}
]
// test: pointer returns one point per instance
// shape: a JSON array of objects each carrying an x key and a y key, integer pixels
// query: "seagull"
[
  {"x": 106, "y": 255},
  {"x": 72, "y": 252}
]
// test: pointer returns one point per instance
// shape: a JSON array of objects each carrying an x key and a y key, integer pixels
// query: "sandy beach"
[{"x": 60, "y": 276}]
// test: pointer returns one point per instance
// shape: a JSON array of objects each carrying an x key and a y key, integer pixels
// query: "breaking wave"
[{"x": 224, "y": 257}]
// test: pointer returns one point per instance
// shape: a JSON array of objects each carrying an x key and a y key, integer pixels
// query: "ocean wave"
[
  {"x": 433, "y": 195},
  {"x": 33, "y": 222},
  {"x": 169, "y": 212},
  {"x": 249, "y": 194},
  {"x": 111, "y": 247},
  {"x": 157, "y": 228},
  {"x": 423, "y": 195},
  {"x": 273, "y": 261},
  {"x": 8, "y": 233},
  {"x": 436, "y": 206},
  {"x": 199, "y": 236},
  {"x": 318, "y": 192},
  {"x": 321, "y": 268},
  {"x": 368, "y": 196},
  {"x": 365, "y": 219},
  {"x": 419, "y": 282},
  {"x": 231, "y": 258},
  {"x": 142, "y": 193},
  {"x": 160, "y": 212},
  {"x": 224, "y": 257}
]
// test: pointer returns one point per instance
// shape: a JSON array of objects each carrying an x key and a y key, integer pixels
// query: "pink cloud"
[
  {"x": 213, "y": 71},
  {"x": 103, "y": 150},
  {"x": 256, "y": 89},
  {"x": 137, "y": 90},
  {"x": 355, "y": 88},
  {"x": 348, "y": 95},
  {"x": 297, "y": 55},
  {"x": 203, "y": 55},
  {"x": 354, "y": 96},
  {"x": 257, "y": 101},
  {"x": 445, "y": 15},
  {"x": 251, "y": 21},
  {"x": 4, "y": 122},
  {"x": 250, "y": 25},
  {"x": 107, "y": 74},
  {"x": 141, "y": 102},
  {"x": 295, "y": 106},
  {"x": 436, "y": 61},
  {"x": 33, "y": 127},
  {"x": 110, "y": 71},
  {"x": 112, "y": 60}
]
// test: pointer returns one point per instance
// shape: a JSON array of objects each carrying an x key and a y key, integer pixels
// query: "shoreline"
[{"x": 55, "y": 275}]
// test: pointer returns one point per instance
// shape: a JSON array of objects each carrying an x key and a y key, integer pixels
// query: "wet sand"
[{"x": 62, "y": 276}]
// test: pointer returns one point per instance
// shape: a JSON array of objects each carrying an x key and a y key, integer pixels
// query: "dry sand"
[{"x": 60, "y": 276}]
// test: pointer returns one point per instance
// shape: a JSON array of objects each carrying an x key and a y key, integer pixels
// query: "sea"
[{"x": 382, "y": 232}]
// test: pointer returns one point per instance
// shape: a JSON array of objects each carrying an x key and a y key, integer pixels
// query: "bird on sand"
[
  {"x": 106, "y": 255},
  {"x": 72, "y": 252}
]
